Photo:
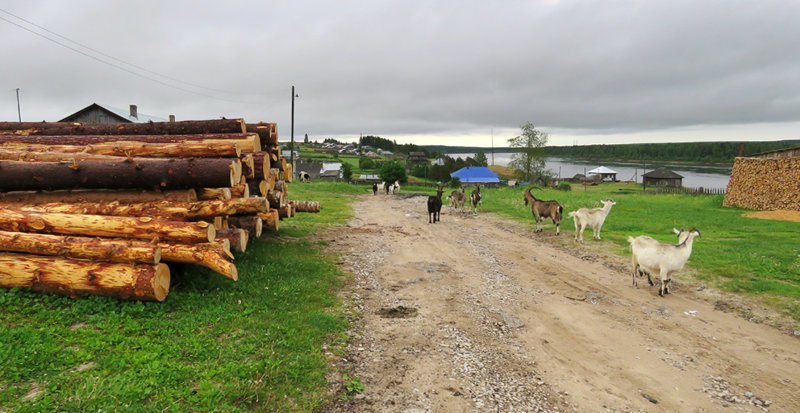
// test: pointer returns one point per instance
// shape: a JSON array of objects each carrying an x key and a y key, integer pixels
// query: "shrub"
[{"x": 564, "y": 186}]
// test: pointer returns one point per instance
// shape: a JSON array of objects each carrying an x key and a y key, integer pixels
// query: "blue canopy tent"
[{"x": 476, "y": 175}]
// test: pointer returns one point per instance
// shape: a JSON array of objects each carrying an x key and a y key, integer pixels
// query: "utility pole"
[
  {"x": 492, "y": 146},
  {"x": 292, "y": 145},
  {"x": 19, "y": 112}
]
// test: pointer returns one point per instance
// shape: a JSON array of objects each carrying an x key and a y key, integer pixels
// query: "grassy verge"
[
  {"x": 746, "y": 255},
  {"x": 213, "y": 345}
]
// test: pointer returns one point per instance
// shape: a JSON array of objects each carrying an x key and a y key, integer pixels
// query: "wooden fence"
[{"x": 683, "y": 190}]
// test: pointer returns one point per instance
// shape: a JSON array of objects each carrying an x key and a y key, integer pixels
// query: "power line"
[
  {"x": 123, "y": 61},
  {"x": 120, "y": 67}
]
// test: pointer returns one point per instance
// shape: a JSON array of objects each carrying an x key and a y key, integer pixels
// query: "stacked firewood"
[{"x": 99, "y": 208}]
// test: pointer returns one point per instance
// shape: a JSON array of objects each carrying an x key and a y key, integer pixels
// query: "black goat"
[{"x": 435, "y": 206}]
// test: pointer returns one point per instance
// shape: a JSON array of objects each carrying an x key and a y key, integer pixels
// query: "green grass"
[
  {"x": 213, "y": 345},
  {"x": 746, "y": 255}
]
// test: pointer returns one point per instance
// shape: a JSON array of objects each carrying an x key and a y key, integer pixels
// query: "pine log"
[
  {"x": 112, "y": 250},
  {"x": 73, "y": 277},
  {"x": 285, "y": 211},
  {"x": 15, "y": 154},
  {"x": 236, "y": 236},
  {"x": 267, "y": 131},
  {"x": 248, "y": 166},
  {"x": 288, "y": 171},
  {"x": 270, "y": 220},
  {"x": 150, "y": 128},
  {"x": 105, "y": 226},
  {"x": 214, "y": 194},
  {"x": 276, "y": 199},
  {"x": 206, "y": 149},
  {"x": 306, "y": 206},
  {"x": 261, "y": 164},
  {"x": 251, "y": 223},
  {"x": 172, "y": 173},
  {"x": 162, "y": 210},
  {"x": 213, "y": 255},
  {"x": 240, "y": 191},
  {"x": 34, "y": 198}
]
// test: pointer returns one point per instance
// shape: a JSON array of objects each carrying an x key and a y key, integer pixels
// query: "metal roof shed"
[
  {"x": 476, "y": 175},
  {"x": 604, "y": 173}
]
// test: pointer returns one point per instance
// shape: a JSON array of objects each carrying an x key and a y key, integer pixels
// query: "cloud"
[{"x": 396, "y": 68}]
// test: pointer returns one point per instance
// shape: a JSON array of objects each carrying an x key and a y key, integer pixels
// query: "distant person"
[{"x": 374, "y": 188}]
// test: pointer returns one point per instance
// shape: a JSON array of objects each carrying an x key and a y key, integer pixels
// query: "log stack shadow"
[{"x": 103, "y": 208}]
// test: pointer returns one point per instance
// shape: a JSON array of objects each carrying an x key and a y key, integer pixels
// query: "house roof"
[
  {"x": 602, "y": 170},
  {"x": 121, "y": 114},
  {"x": 475, "y": 174},
  {"x": 662, "y": 173}
]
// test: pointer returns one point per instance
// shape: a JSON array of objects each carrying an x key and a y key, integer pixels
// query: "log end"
[
  {"x": 212, "y": 233},
  {"x": 161, "y": 280},
  {"x": 233, "y": 273}
]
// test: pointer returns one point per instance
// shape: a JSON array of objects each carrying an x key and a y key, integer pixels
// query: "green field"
[
  {"x": 258, "y": 344},
  {"x": 746, "y": 255},
  {"x": 213, "y": 345}
]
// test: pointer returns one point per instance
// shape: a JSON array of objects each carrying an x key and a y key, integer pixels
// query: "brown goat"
[
  {"x": 544, "y": 209},
  {"x": 475, "y": 198}
]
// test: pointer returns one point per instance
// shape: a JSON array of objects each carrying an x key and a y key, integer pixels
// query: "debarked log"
[
  {"x": 206, "y": 210},
  {"x": 305, "y": 206},
  {"x": 252, "y": 223},
  {"x": 73, "y": 277},
  {"x": 140, "y": 173},
  {"x": 100, "y": 249},
  {"x": 270, "y": 220},
  {"x": 213, "y": 255},
  {"x": 236, "y": 236},
  {"x": 121, "y": 196},
  {"x": 106, "y": 226},
  {"x": 188, "y": 149}
]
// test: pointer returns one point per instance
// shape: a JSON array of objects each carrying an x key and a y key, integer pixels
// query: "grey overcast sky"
[{"x": 428, "y": 72}]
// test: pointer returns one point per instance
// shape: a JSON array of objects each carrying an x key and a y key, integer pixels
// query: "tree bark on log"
[
  {"x": 34, "y": 198},
  {"x": 251, "y": 223},
  {"x": 213, "y": 255},
  {"x": 145, "y": 228},
  {"x": 306, "y": 206},
  {"x": 236, "y": 236},
  {"x": 276, "y": 198},
  {"x": 14, "y": 154},
  {"x": 154, "y": 128},
  {"x": 199, "y": 149},
  {"x": 207, "y": 194},
  {"x": 270, "y": 220},
  {"x": 205, "y": 210},
  {"x": 172, "y": 173},
  {"x": 72, "y": 277},
  {"x": 111, "y": 250},
  {"x": 261, "y": 164}
]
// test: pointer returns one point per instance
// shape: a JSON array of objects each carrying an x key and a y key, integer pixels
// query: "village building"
[
  {"x": 662, "y": 177},
  {"x": 605, "y": 173},
  {"x": 96, "y": 113}
]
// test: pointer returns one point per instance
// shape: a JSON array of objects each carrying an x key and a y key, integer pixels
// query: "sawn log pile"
[{"x": 100, "y": 208}]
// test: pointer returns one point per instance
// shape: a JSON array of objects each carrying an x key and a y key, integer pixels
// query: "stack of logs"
[{"x": 99, "y": 208}]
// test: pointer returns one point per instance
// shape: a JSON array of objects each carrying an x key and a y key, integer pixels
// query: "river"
[{"x": 694, "y": 175}]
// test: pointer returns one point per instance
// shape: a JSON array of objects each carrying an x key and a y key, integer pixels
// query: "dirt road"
[{"x": 480, "y": 314}]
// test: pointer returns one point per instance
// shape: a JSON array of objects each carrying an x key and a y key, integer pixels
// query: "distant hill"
[{"x": 717, "y": 152}]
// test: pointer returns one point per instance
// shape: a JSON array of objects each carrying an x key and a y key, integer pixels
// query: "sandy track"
[{"x": 479, "y": 314}]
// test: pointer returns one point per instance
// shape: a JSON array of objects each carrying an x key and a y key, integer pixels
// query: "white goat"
[
  {"x": 592, "y": 218},
  {"x": 682, "y": 235},
  {"x": 651, "y": 256}
]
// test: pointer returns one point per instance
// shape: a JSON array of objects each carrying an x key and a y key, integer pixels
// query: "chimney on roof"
[
  {"x": 172, "y": 118},
  {"x": 134, "y": 112}
]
